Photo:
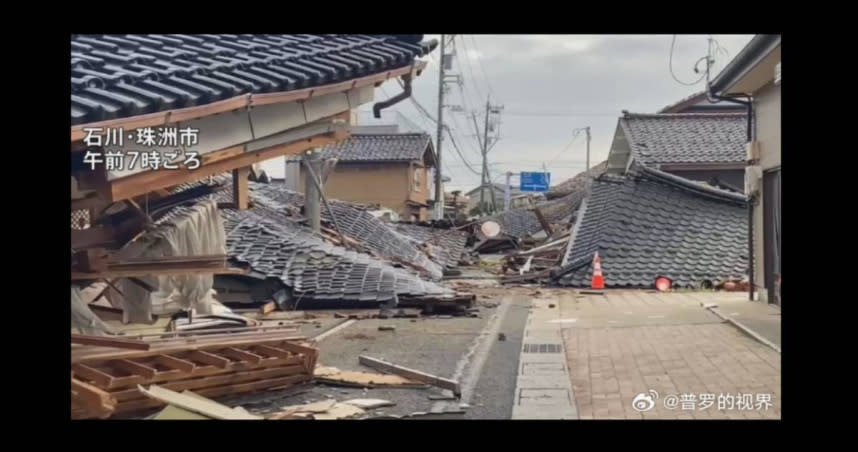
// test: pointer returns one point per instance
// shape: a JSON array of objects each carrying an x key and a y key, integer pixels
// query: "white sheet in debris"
[
  {"x": 197, "y": 231},
  {"x": 83, "y": 320}
]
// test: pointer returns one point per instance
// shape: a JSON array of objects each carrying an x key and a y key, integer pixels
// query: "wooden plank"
[
  {"x": 434, "y": 380},
  {"x": 94, "y": 398},
  {"x": 93, "y": 374},
  {"x": 241, "y": 355},
  {"x": 240, "y": 192},
  {"x": 153, "y": 270},
  {"x": 274, "y": 351},
  {"x": 175, "y": 363},
  {"x": 91, "y": 259},
  {"x": 187, "y": 344},
  {"x": 135, "y": 368},
  {"x": 207, "y": 408},
  {"x": 268, "y": 307},
  {"x": 107, "y": 341},
  {"x": 137, "y": 405},
  {"x": 195, "y": 384},
  {"x": 223, "y": 154},
  {"x": 128, "y": 187},
  {"x": 542, "y": 221},
  {"x": 208, "y": 358}
]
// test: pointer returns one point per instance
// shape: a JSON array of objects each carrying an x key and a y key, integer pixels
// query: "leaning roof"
[
  {"x": 119, "y": 76},
  {"x": 698, "y": 138},
  {"x": 649, "y": 224},
  {"x": 399, "y": 147}
]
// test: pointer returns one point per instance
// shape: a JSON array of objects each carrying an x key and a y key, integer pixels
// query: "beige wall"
[
  {"x": 767, "y": 120},
  {"x": 767, "y": 124},
  {"x": 387, "y": 184}
]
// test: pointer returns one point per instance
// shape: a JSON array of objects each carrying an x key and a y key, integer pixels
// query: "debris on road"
[
  {"x": 334, "y": 376},
  {"x": 194, "y": 403},
  {"x": 417, "y": 375},
  {"x": 386, "y": 328}
]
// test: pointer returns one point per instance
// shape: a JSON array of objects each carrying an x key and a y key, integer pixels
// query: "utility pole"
[
  {"x": 485, "y": 149},
  {"x": 439, "y": 190},
  {"x": 312, "y": 192}
]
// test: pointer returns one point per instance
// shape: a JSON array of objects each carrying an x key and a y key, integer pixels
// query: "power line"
[
  {"x": 480, "y": 96},
  {"x": 458, "y": 151},
  {"x": 480, "y": 63},
  {"x": 670, "y": 65}
]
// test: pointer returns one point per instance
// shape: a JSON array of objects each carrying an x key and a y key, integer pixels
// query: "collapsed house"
[{"x": 648, "y": 224}]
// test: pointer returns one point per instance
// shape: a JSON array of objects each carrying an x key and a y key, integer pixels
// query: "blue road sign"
[{"x": 535, "y": 181}]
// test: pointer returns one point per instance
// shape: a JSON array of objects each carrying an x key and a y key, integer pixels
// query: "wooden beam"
[
  {"x": 208, "y": 358},
  {"x": 274, "y": 351},
  {"x": 412, "y": 374},
  {"x": 94, "y": 398},
  {"x": 92, "y": 259},
  {"x": 175, "y": 363},
  {"x": 161, "y": 269},
  {"x": 92, "y": 374},
  {"x": 545, "y": 224},
  {"x": 241, "y": 355},
  {"x": 106, "y": 341},
  {"x": 128, "y": 187},
  {"x": 240, "y": 192},
  {"x": 163, "y": 118},
  {"x": 135, "y": 368}
]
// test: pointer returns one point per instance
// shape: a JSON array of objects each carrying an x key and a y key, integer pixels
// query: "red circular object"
[{"x": 662, "y": 284}]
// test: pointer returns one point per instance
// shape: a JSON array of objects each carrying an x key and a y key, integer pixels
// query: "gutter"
[
  {"x": 713, "y": 97},
  {"x": 405, "y": 94}
]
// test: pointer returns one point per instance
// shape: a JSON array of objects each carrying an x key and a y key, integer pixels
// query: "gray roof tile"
[
  {"x": 650, "y": 224},
  {"x": 657, "y": 139},
  {"x": 400, "y": 147}
]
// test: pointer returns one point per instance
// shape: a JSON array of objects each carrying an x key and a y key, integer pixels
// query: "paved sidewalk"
[{"x": 626, "y": 343}]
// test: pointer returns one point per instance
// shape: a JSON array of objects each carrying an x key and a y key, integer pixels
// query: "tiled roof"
[
  {"x": 576, "y": 183},
  {"x": 403, "y": 147},
  {"x": 699, "y": 103},
  {"x": 117, "y": 76},
  {"x": 314, "y": 269},
  {"x": 657, "y": 139},
  {"x": 447, "y": 245},
  {"x": 355, "y": 222},
  {"x": 648, "y": 224}
]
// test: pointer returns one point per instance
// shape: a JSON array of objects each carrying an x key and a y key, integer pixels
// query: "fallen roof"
[
  {"x": 315, "y": 269},
  {"x": 650, "y": 223},
  {"x": 523, "y": 222},
  {"x": 447, "y": 244},
  {"x": 657, "y": 139},
  {"x": 577, "y": 182},
  {"x": 119, "y": 76},
  {"x": 400, "y": 147},
  {"x": 356, "y": 222}
]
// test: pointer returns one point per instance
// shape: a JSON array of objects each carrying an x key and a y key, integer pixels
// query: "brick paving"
[{"x": 630, "y": 342}]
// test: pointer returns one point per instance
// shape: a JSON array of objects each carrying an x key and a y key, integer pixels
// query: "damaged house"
[
  {"x": 392, "y": 170},
  {"x": 648, "y": 224},
  {"x": 199, "y": 106},
  {"x": 707, "y": 147}
]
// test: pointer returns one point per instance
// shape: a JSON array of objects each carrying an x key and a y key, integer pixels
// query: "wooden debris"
[
  {"x": 209, "y": 366},
  {"x": 332, "y": 375},
  {"x": 412, "y": 374},
  {"x": 339, "y": 411},
  {"x": 267, "y": 308},
  {"x": 199, "y": 405},
  {"x": 386, "y": 328},
  {"x": 325, "y": 410},
  {"x": 108, "y": 341},
  {"x": 369, "y": 404}
]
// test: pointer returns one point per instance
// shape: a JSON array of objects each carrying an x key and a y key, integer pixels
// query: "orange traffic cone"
[{"x": 598, "y": 281}]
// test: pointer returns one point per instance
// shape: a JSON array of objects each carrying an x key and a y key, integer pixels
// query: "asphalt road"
[{"x": 457, "y": 347}]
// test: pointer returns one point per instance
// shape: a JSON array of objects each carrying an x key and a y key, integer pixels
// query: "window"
[{"x": 418, "y": 179}]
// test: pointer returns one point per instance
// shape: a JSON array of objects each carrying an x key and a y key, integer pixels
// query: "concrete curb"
[{"x": 713, "y": 309}]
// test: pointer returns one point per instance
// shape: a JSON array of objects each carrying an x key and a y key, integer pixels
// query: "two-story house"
[
  {"x": 392, "y": 170},
  {"x": 755, "y": 74}
]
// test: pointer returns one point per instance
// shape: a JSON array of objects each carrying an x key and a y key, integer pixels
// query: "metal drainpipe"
[
  {"x": 749, "y": 104},
  {"x": 406, "y": 92}
]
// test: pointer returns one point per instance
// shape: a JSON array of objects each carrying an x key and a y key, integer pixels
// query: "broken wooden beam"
[
  {"x": 240, "y": 191},
  {"x": 542, "y": 221},
  {"x": 107, "y": 341},
  {"x": 412, "y": 374}
]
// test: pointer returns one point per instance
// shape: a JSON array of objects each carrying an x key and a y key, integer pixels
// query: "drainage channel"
[{"x": 543, "y": 387}]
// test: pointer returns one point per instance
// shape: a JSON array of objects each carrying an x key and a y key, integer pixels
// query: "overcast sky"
[{"x": 549, "y": 85}]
